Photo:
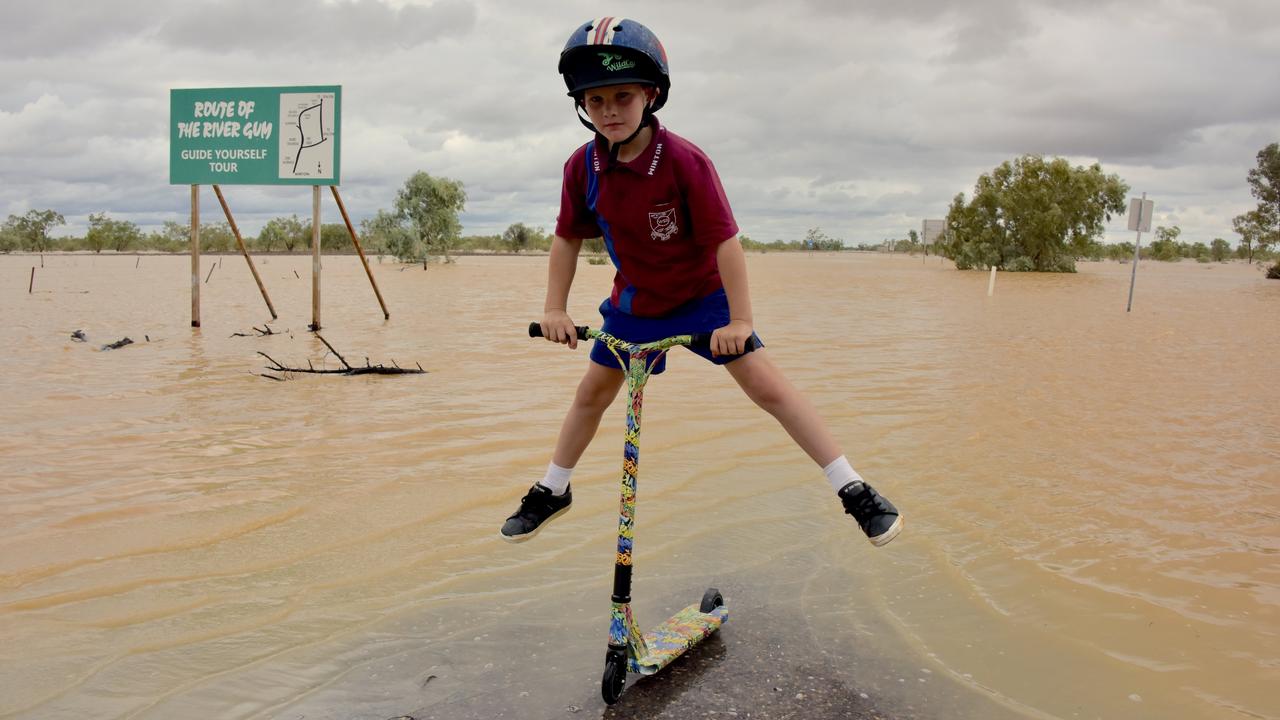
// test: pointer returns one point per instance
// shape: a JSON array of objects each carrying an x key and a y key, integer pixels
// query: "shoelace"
[
  {"x": 864, "y": 504},
  {"x": 530, "y": 504}
]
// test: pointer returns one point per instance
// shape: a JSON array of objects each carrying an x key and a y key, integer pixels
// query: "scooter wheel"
[
  {"x": 711, "y": 600},
  {"x": 615, "y": 677}
]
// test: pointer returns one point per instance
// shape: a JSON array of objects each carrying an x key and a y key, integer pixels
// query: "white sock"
[
  {"x": 841, "y": 473},
  {"x": 557, "y": 479}
]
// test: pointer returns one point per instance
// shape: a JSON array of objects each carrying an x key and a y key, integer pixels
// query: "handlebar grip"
[
  {"x": 705, "y": 339},
  {"x": 535, "y": 330}
]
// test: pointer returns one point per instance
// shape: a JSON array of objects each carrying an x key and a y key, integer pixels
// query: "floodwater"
[{"x": 1092, "y": 497}]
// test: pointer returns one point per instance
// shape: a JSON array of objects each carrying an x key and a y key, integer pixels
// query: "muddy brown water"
[{"x": 1092, "y": 497}]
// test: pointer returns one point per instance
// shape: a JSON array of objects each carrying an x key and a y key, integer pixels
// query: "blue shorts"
[{"x": 696, "y": 316}]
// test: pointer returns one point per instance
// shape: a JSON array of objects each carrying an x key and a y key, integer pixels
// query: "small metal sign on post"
[
  {"x": 930, "y": 231},
  {"x": 1140, "y": 212}
]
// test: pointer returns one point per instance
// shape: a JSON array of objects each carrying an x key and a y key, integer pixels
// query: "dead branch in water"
[
  {"x": 347, "y": 368},
  {"x": 263, "y": 331}
]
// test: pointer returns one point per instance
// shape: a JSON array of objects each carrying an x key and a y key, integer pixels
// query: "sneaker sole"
[
  {"x": 884, "y": 537},
  {"x": 530, "y": 535}
]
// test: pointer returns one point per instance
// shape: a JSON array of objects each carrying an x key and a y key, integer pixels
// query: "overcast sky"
[{"x": 858, "y": 117}]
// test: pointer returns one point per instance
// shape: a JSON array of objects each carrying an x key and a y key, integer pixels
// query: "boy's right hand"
[{"x": 557, "y": 326}]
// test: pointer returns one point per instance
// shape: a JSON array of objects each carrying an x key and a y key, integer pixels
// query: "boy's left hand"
[{"x": 731, "y": 339}]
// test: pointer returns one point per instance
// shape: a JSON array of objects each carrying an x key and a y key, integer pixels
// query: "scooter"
[{"x": 629, "y": 649}]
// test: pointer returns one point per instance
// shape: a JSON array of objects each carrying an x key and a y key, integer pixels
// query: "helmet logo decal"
[{"x": 614, "y": 62}]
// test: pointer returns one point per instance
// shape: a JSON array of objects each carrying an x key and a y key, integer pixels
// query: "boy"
[{"x": 666, "y": 223}]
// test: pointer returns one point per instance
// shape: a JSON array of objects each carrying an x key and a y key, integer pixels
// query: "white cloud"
[{"x": 861, "y": 118}]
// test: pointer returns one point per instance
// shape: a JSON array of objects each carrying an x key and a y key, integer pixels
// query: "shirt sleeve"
[
  {"x": 710, "y": 216},
  {"x": 576, "y": 221}
]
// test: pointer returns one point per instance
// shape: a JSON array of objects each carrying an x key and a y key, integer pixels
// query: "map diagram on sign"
[{"x": 307, "y": 141}]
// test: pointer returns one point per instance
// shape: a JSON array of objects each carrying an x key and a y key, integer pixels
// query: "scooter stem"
[{"x": 623, "y": 631}]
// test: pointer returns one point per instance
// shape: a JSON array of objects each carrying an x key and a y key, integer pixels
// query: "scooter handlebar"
[{"x": 700, "y": 339}]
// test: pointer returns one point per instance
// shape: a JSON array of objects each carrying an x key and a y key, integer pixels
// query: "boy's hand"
[
  {"x": 557, "y": 326},
  {"x": 731, "y": 339}
]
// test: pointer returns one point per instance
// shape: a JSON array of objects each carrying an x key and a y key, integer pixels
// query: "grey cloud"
[
  {"x": 313, "y": 26},
  {"x": 47, "y": 28}
]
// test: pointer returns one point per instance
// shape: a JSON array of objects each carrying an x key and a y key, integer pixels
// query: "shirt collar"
[{"x": 646, "y": 162}]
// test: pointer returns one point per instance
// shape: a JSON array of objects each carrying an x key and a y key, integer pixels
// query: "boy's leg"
[
  {"x": 767, "y": 387},
  {"x": 551, "y": 497},
  {"x": 596, "y": 391}
]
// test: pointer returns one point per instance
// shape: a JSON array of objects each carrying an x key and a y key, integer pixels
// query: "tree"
[
  {"x": 9, "y": 240},
  {"x": 1252, "y": 229},
  {"x": 815, "y": 239},
  {"x": 172, "y": 237},
  {"x": 32, "y": 229},
  {"x": 216, "y": 237},
  {"x": 389, "y": 233},
  {"x": 431, "y": 206},
  {"x": 289, "y": 232},
  {"x": 119, "y": 235},
  {"x": 285, "y": 232},
  {"x": 1120, "y": 252},
  {"x": 1033, "y": 214},
  {"x": 1218, "y": 249},
  {"x": 1264, "y": 183},
  {"x": 517, "y": 236},
  {"x": 335, "y": 238},
  {"x": 1166, "y": 246}
]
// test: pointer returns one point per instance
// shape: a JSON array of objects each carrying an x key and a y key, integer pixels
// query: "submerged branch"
[
  {"x": 346, "y": 368},
  {"x": 262, "y": 332}
]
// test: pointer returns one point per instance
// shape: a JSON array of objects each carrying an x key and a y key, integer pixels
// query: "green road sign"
[{"x": 255, "y": 135}]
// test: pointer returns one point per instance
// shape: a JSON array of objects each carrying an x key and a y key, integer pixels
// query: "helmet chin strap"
[{"x": 616, "y": 147}]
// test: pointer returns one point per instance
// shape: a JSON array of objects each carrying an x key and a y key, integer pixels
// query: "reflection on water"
[{"x": 1092, "y": 496}]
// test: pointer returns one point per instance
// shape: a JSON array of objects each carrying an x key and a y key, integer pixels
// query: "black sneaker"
[
  {"x": 537, "y": 507},
  {"x": 877, "y": 516}
]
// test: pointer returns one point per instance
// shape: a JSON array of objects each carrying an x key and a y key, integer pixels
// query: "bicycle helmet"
[{"x": 614, "y": 51}]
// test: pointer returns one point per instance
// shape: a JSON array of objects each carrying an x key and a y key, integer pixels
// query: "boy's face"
[{"x": 616, "y": 110}]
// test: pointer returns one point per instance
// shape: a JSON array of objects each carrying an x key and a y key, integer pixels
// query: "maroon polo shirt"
[{"x": 662, "y": 216}]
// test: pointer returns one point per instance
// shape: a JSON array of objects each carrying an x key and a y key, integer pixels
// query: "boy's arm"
[
  {"x": 732, "y": 261},
  {"x": 556, "y": 323}
]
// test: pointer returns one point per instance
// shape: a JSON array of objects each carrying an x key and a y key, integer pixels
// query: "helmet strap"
[
  {"x": 616, "y": 147},
  {"x": 582, "y": 116},
  {"x": 644, "y": 122}
]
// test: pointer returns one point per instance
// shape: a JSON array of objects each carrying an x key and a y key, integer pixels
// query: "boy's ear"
[{"x": 651, "y": 94}]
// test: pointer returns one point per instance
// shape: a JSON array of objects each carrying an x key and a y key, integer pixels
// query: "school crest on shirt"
[{"x": 662, "y": 225}]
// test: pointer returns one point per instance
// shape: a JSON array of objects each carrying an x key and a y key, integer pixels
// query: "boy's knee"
[
  {"x": 767, "y": 390},
  {"x": 770, "y": 398},
  {"x": 596, "y": 392}
]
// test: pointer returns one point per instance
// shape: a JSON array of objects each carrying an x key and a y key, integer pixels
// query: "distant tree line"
[
  {"x": 1027, "y": 214},
  {"x": 30, "y": 233}
]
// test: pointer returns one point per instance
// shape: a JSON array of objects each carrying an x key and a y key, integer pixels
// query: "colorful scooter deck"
[{"x": 677, "y": 634}]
